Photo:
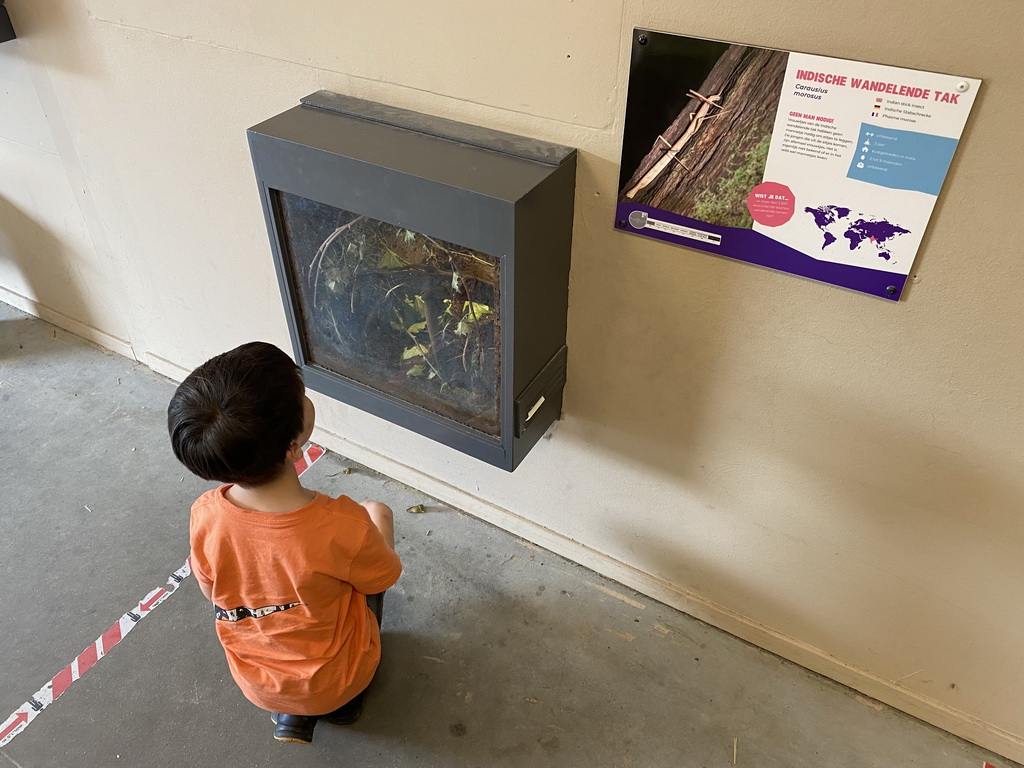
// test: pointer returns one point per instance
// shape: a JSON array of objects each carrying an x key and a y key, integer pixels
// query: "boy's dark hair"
[{"x": 232, "y": 419}]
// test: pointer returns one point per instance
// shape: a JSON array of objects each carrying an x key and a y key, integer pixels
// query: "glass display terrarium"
[
  {"x": 396, "y": 310},
  {"x": 424, "y": 267}
]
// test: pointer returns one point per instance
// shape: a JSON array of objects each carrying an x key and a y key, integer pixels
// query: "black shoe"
[
  {"x": 297, "y": 729},
  {"x": 346, "y": 714}
]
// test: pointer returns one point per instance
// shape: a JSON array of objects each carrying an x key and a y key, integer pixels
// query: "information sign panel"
[{"x": 822, "y": 167}]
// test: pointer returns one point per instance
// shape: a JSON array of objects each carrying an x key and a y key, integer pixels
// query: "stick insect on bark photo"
[{"x": 699, "y": 120}]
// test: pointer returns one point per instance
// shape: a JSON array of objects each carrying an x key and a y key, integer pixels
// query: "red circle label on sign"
[{"x": 771, "y": 204}]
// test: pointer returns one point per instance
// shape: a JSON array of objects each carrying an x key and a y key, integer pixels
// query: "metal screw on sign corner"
[
  {"x": 890, "y": 290},
  {"x": 963, "y": 86},
  {"x": 642, "y": 39},
  {"x": 622, "y": 223}
]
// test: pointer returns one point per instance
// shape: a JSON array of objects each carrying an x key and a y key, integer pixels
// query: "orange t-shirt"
[{"x": 290, "y": 593}]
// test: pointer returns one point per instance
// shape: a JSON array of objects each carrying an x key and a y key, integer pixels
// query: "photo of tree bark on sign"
[
  {"x": 703, "y": 163},
  {"x": 395, "y": 310}
]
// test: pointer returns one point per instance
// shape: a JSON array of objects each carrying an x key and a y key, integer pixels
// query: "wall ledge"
[
  {"x": 82, "y": 330},
  {"x": 164, "y": 367}
]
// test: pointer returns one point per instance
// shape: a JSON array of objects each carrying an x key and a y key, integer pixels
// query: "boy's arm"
[
  {"x": 376, "y": 566},
  {"x": 383, "y": 518},
  {"x": 204, "y": 587}
]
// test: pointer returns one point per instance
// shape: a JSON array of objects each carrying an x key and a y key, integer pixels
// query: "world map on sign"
[{"x": 835, "y": 221}]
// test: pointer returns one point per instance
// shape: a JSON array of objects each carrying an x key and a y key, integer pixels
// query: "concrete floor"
[{"x": 497, "y": 653}]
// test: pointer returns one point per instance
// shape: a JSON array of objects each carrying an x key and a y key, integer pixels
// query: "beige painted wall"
[{"x": 836, "y": 478}]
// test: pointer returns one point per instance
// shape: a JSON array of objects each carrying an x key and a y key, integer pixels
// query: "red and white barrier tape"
[
  {"x": 45, "y": 696},
  {"x": 309, "y": 455}
]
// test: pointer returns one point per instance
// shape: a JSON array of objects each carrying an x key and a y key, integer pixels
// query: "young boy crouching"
[{"x": 296, "y": 577}]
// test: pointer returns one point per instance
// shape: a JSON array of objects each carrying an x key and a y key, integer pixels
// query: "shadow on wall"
[
  {"x": 48, "y": 278},
  {"x": 35, "y": 22},
  {"x": 898, "y": 465},
  {"x": 644, "y": 335},
  {"x": 651, "y": 336},
  {"x": 900, "y": 515},
  {"x": 919, "y": 544}
]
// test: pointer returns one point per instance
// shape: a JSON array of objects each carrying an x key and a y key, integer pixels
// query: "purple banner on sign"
[{"x": 754, "y": 248}]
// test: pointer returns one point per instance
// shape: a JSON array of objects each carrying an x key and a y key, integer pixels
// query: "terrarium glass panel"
[{"x": 395, "y": 310}]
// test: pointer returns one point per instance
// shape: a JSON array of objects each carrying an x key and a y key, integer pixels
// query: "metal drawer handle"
[{"x": 536, "y": 406}]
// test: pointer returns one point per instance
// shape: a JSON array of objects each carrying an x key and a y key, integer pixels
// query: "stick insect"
[{"x": 697, "y": 119}]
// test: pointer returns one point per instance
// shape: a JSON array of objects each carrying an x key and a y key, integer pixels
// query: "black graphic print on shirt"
[{"x": 241, "y": 612}]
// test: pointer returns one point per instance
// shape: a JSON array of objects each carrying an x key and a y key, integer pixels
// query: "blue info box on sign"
[{"x": 901, "y": 159}]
